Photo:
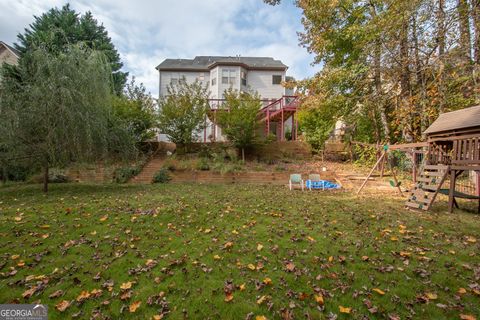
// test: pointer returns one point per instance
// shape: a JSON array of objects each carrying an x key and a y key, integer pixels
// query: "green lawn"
[{"x": 234, "y": 252}]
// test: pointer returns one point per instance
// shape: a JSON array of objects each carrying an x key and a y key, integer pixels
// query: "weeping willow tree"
[{"x": 56, "y": 109}]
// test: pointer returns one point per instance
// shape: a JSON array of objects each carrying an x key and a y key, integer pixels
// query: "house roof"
[
  {"x": 205, "y": 63},
  {"x": 12, "y": 49},
  {"x": 455, "y": 120}
]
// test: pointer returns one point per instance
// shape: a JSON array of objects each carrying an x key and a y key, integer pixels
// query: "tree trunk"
[
  {"x": 441, "y": 35},
  {"x": 405, "y": 82},
  {"x": 45, "y": 179},
  {"x": 377, "y": 62},
  {"x": 441, "y": 27},
  {"x": 4, "y": 175},
  {"x": 243, "y": 155},
  {"x": 464, "y": 28},
  {"x": 476, "y": 28}
]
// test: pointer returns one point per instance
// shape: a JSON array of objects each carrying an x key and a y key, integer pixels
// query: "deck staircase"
[
  {"x": 287, "y": 105},
  {"x": 427, "y": 187}
]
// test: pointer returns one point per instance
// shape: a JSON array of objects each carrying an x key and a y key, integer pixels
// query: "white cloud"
[{"x": 146, "y": 32}]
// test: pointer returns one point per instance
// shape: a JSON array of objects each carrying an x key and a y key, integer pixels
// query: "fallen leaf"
[
  {"x": 471, "y": 239},
  {"x": 365, "y": 258},
  {"x": 431, "y": 296},
  {"x": 379, "y": 291},
  {"x": 126, "y": 285},
  {"x": 62, "y": 305},
  {"x": 15, "y": 257},
  {"x": 260, "y": 318},
  {"x": 105, "y": 217},
  {"x": 261, "y": 299},
  {"x": 228, "y": 297},
  {"x": 267, "y": 281},
  {"x": 344, "y": 309},
  {"x": 241, "y": 287},
  {"x": 84, "y": 295},
  {"x": 251, "y": 266},
  {"x": 467, "y": 317},
  {"x": 134, "y": 306},
  {"x": 319, "y": 299},
  {"x": 56, "y": 294},
  {"x": 461, "y": 291},
  {"x": 95, "y": 293},
  {"x": 216, "y": 257},
  {"x": 28, "y": 293},
  {"x": 259, "y": 247}
]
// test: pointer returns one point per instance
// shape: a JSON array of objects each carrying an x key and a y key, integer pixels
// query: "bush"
[
  {"x": 58, "y": 178},
  {"x": 124, "y": 174},
  {"x": 203, "y": 165},
  {"x": 170, "y": 165},
  {"x": 161, "y": 176}
]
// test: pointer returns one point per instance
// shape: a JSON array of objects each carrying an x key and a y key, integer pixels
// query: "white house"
[{"x": 261, "y": 74}]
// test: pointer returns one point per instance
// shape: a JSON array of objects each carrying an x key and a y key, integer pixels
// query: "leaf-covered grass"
[{"x": 234, "y": 252}]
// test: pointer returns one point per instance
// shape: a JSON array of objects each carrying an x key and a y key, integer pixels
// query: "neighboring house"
[
  {"x": 261, "y": 74},
  {"x": 8, "y": 54}
]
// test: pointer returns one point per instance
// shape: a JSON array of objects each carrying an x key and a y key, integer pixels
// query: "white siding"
[
  {"x": 167, "y": 76},
  {"x": 261, "y": 81}
]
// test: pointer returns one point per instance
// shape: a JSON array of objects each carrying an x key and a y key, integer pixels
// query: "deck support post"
[
  {"x": 282, "y": 133},
  {"x": 268, "y": 121}
]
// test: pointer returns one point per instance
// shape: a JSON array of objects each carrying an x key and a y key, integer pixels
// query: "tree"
[
  {"x": 136, "y": 109},
  {"x": 239, "y": 121},
  {"x": 182, "y": 112},
  {"x": 397, "y": 64},
  {"x": 56, "y": 29},
  {"x": 57, "y": 110}
]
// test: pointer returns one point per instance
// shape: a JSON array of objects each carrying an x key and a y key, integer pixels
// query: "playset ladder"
[{"x": 427, "y": 187}]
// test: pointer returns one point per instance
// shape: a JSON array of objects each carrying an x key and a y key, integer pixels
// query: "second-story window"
[
  {"x": 243, "y": 78},
  {"x": 276, "y": 79},
  {"x": 173, "y": 81},
  {"x": 229, "y": 76},
  {"x": 214, "y": 81}
]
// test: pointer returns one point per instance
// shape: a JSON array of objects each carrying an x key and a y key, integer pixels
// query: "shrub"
[
  {"x": 203, "y": 165},
  {"x": 161, "y": 176},
  {"x": 170, "y": 165},
  {"x": 58, "y": 178},
  {"x": 124, "y": 174}
]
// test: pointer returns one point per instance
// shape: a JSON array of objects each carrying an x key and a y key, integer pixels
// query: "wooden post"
[
  {"x": 296, "y": 128},
  {"x": 268, "y": 121},
  {"x": 414, "y": 167},
  {"x": 451, "y": 198},
  {"x": 294, "y": 131},
  {"x": 282, "y": 133},
  {"x": 371, "y": 171}
]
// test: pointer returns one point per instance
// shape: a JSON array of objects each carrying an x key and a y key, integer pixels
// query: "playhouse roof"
[{"x": 463, "y": 119}]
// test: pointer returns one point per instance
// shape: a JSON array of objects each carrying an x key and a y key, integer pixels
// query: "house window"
[
  {"x": 214, "y": 81},
  {"x": 243, "y": 76},
  {"x": 276, "y": 79},
  {"x": 201, "y": 77},
  {"x": 173, "y": 81},
  {"x": 228, "y": 76}
]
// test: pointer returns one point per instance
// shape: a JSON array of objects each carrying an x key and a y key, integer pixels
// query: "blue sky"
[{"x": 146, "y": 32}]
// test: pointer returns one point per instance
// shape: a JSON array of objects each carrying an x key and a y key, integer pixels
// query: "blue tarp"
[{"x": 321, "y": 184}]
